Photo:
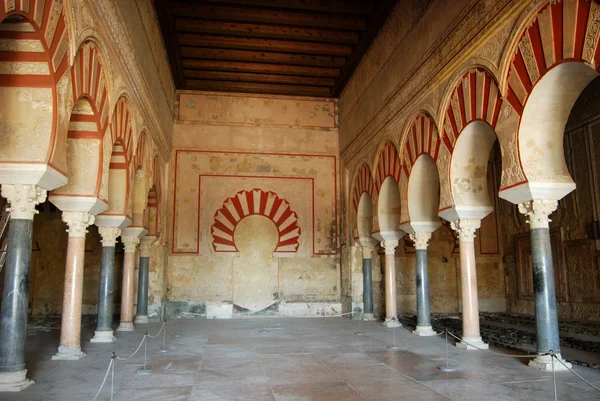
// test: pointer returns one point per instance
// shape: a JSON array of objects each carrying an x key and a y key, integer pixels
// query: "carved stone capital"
[
  {"x": 109, "y": 235},
  {"x": 367, "y": 251},
  {"x": 23, "y": 199},
  {"x": 145, "y": 249},
  {"x": 78, "y": 222},
  {"x": 466, "y": 229},
  {"x": 420, "y": 239},
  {"x": 389, "y": 246},
  {"x": 538, "y": 212},
  {"x": 130, "y": 243}
]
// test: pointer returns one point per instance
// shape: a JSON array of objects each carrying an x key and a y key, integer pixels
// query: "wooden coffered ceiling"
[{"x": 288, "y": 47}]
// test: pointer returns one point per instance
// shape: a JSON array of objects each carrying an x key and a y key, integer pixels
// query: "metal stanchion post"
[
  {"x": 145, "y": 370},
  {"x": 394, "y": 346},
  {"x": 553, "y": 375},
  {"x": 359, "y": 331},
  {"x": 447, "y": 368},
  {"x": 112, "y": 378},
  {"x": 163, "y": 348}
]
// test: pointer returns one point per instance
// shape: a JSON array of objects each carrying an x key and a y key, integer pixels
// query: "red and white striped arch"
[
  {"x": 388, "y": 164},
  {"x": 363, "y": 183},
  {"x": 90, "y": 82},
  {"x": 40, "y": 35},
  {"x": 255, "y": 202},
  {"x": 422, "y": 138},
  {"x": 475, "y": 97},
  {"x": 143, "y": 153},
  {"x": 121, "y": 129},
  {"x": 562, "y": 31}
]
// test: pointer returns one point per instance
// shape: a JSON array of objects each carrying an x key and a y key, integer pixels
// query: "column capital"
[
  {"x": 466, "y": 229},
  {"x": 367, "y": 251},
  {"x": 390, "y": 246},
  {"x": 130, "y": 243},
  {"x": 145, "y": 249},
  {"x": 421, "y": 239},
  {"x": 109, "y": 235},
  {"x": 538, "y": 212},
  {"x": 23, "y": 199},
  {"x": 78, "y": 223}
]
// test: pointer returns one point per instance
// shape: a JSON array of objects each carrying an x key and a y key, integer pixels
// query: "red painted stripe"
[
  {"x": 250, "y": 201},
  {"x": 284, "y": 216},
  {"x": 461, "y": 104},
  {"x": 486, "y": 96},
  {"x": 448, "y": 144},
  {"x": 21, "y": 35},
  {"x": 522, "y": 72},
  {"x": 225, "y": 212},
  {"x": 473, "y": 90},
  {"x": 437, "y": 150},
  {"x": 583, "y": 11},
  {"x": 84, "y": 135},
  {"x": 287, "y": 242},
  {"x": 430, "y": 135},
  {"x": 275, "y": 208},
  {"x": 496, "y": 111},
  {"x": 222, "y": 241},
  {"x": 514, "y": 101},
  {"x": 238, "y": 206},
  {"x": 27, "y": 81},
  {"x": 264, "y": 197},
  {"x": 23, "y": 56},
  {"x": 288, "y": 229},
  {"x": 453, "y": 123},
  {"x": 422, "y": 118},
  {"x": 556, "y": 13},
  {"x": 538, "y": 50},
  {"x": 223, "y": 227}
]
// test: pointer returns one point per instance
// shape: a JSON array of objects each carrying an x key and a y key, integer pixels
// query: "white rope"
[
  {"x": 112, "y": 361},
  {"x": 136, "y": 351},
  {"x": 575, "y": 373},
  {"x": 159, "y": 331},
  {"x": 492, "y": 352},
  {"x": 254, "y": 314}
]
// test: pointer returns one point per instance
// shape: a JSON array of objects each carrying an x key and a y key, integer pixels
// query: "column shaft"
[
  {"x": 546, "y": 320},
  {"x": 106, "y": 289},
  {"x": 468, "y": 282},
  {"x": 142, "y": 304},
  {"x": 127, "y": 296},
  {"x": 367, "y": 285},
  {"x": 421, "y": 263},
  {"x": 15, "y": 296}
]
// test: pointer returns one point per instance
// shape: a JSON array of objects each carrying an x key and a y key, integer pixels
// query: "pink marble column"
[
  {"x": 391, "y": 310},
  {"x": 70, "y": 332},
  {"x": 468, "y": 282},
  {"x": 128, "y": 291}
]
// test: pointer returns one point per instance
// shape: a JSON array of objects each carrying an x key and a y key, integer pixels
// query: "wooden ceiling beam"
[
  {"x": 265, "y": 16},
  {"x": 262, "y": 57},
  {"x": 167, "y": 26},
  {"x": 265, "y": 31},
  {"x": 250, "y": 77},
  {"x": 230, "y": 42},
  {"x": 248, "y": 87},
  {"x": 362, "y": 7},
  {"x": 278, "y": 69}
]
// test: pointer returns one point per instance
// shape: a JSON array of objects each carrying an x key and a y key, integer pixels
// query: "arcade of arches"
[{"x": 452, "y": 183}]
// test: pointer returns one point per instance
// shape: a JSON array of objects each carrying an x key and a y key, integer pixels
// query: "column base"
[
  {"x": 424, "y": 331},
  {"x": 369, "y": 317},
  {"x": 472, "y": 344},
  {"x": 141, "y": 319},
  {"x": 544, "y": 363},
  {"x": 14, "y": 381},
  {"x": 103, "y": 336},
  {"x": 126, "y": 326},
  {"x": 391, "y": 323},
  {"x": 68, "y": 354}
]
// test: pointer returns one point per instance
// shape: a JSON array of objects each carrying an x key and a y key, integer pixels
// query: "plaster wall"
[{"x": 241, "y": 162}]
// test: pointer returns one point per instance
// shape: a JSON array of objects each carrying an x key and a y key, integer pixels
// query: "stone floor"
[{"x": 294, "y": 359}]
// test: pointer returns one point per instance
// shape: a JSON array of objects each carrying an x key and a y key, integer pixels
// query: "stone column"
[
  {"x": 104, "y": 330},
  {"x": 391, "y": 311},
  {"x": 423, "y": 328},
  {"x": 131, "y": 244},
  {"x": 142, "y": 301},
  {"x": 15, "y": 292},
  {"x": 468, "y": 282},
  {"x": 546, "y": 320},
  {"x": 70, "y": 329},
  {"x": 367, "y": 283}
]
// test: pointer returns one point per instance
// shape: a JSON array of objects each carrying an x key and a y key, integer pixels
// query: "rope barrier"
[
  {"x": 136, "y": 351},
  {"x": 274, "y": 313},
  {"x": 159, "y": 331},
  {"x": 110, "y": 366},
  {"x": 492, "y": 352},
  {"x": 551, "y": 353}
]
